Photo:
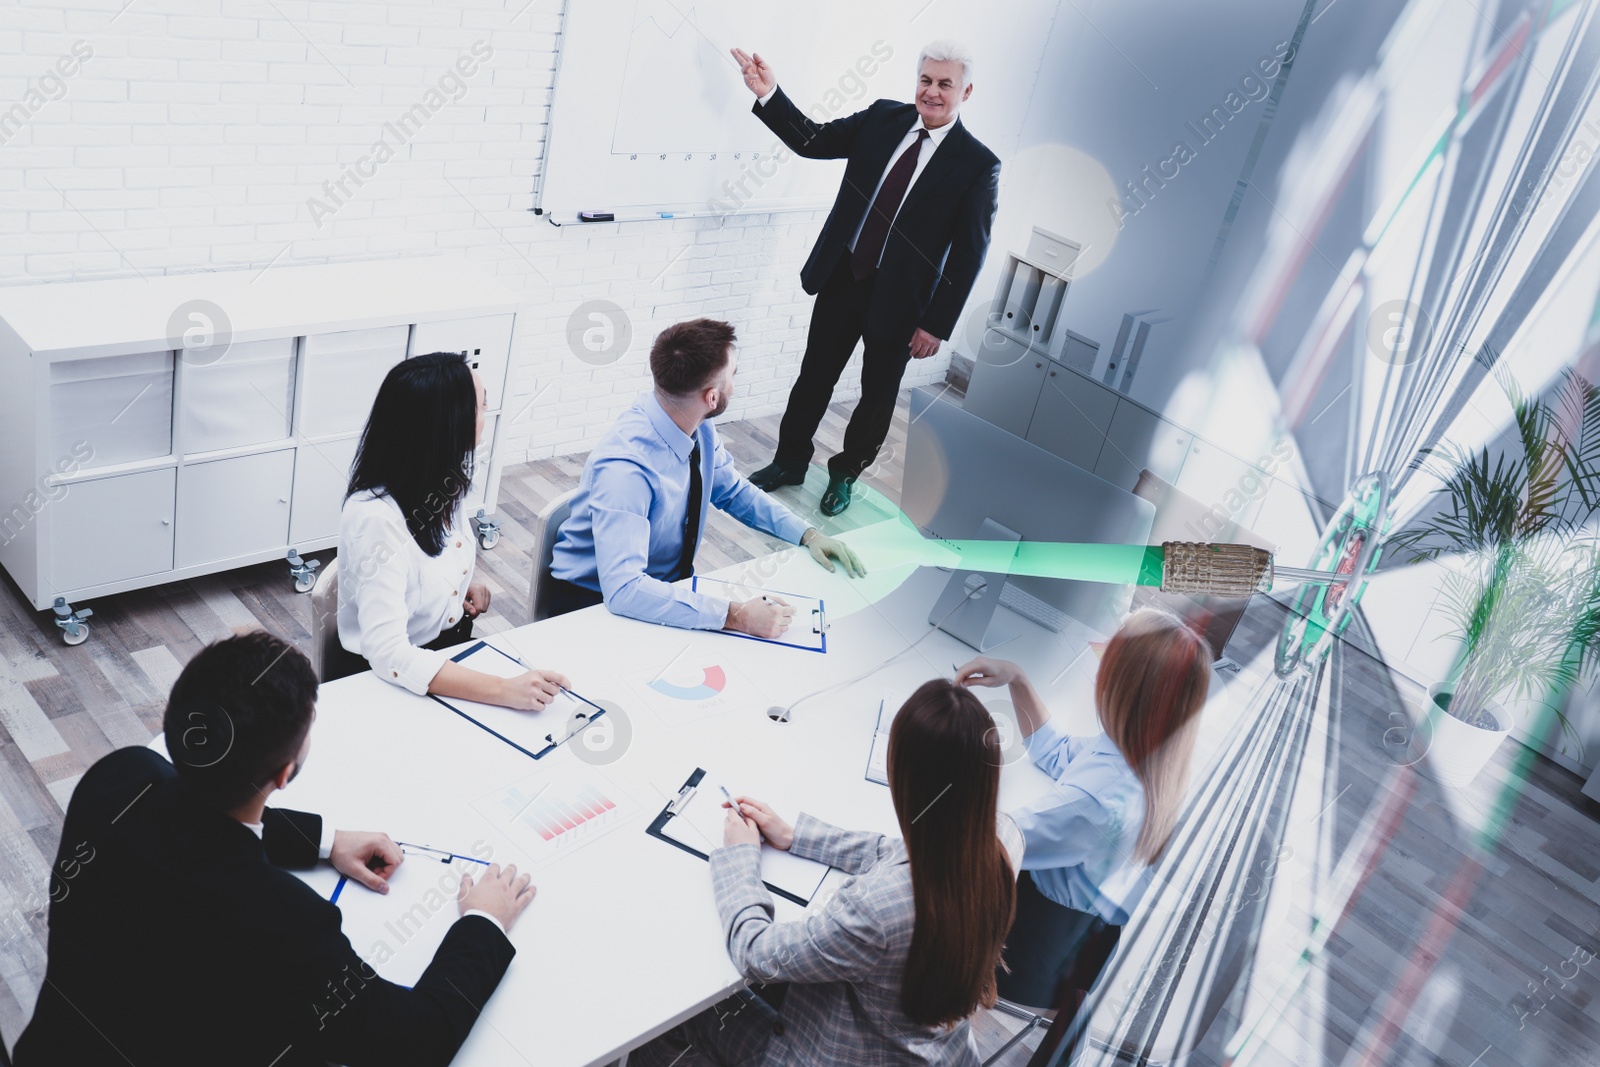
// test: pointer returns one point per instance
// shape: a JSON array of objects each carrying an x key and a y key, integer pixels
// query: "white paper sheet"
[{"x": 398, "y": 932}]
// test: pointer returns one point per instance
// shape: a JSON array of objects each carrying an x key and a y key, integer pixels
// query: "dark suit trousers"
[{"x": 838, "y": 321}]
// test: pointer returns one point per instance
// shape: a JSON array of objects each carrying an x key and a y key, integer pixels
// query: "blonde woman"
[{"x": 1116, "y": 799}]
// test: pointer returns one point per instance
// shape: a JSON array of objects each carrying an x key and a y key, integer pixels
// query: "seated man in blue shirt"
[{"x": 637, "y": 518}]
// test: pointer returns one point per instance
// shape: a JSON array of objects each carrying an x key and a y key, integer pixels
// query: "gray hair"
[{"x": 946, "y": 50}]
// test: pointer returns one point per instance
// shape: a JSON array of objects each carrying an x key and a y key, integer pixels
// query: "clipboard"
[
  {"x": 812, "y": 638},
  {"x": 487, "y": 717},
  {"x": 398, "y": 933},
  {"x": 686, "y": 793},
  {"x": 878, "y": 754}
]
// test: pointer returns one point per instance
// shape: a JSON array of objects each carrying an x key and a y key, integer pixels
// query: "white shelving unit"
[{"x": 154, "y": 430}]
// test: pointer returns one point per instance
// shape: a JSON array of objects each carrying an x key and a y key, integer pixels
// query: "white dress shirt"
[{"x": 393, "y": 596}]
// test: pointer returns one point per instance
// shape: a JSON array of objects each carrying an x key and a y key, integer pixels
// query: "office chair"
[
  {"x": 544, "y": 543},
  {"x": 1091, "y": 961},
  {"x": 325, "y": 647}
]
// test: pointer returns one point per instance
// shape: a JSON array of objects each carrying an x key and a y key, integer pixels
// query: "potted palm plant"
[{"x": 1517, "y": 535}]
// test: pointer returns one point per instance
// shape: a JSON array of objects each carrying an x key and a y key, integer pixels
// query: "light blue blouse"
[{"x": 1080, "y": 835}]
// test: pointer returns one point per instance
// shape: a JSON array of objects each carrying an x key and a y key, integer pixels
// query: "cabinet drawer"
[
  {"x": 233, "y": 507},
  {"x": 321, "y": 476},
  {"x": 342, "y": 374},
  {"x": 112, "y": 529},
  {"x": 484, "y": 341},
  {"x": 244, "y": 398}
]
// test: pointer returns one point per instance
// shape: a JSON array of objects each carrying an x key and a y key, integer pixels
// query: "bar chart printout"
[{"x": 555, "y": 811}]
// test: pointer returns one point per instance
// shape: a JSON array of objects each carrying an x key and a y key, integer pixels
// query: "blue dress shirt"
[
  {"x": 1080, "y": 835},
  {"x": 625, "y": 534}
]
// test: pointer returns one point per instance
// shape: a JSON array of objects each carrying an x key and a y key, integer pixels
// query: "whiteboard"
[{"x": 651, "y": 116}]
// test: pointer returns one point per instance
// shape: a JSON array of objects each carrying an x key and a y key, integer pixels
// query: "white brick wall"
[{"x": 197, "y": 131}]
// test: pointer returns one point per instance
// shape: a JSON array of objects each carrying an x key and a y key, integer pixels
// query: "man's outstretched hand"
[
  {"x": 757, "y": 75},
  {"x": 830, "y": 550}
]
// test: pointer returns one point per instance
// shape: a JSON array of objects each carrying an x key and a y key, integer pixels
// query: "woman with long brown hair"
[
  {"x": 891, "y": 968},
  {"x": 1091, "y": 840}
]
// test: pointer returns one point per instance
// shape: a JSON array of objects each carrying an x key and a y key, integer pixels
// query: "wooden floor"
[
  {"x": 1501, "y": 991},
  {"x": 63, "y": 708}
]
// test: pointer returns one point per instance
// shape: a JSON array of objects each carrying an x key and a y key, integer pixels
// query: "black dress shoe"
[
  {"x": 773, "y": 475},
  {"x": 837, "y": 496}
]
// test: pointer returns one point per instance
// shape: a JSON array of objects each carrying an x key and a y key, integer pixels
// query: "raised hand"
[{"x": 757, "y": 74}]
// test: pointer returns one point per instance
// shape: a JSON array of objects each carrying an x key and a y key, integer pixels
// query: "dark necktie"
[
  {"x": 869, "y": 246},
  {"x": 691, "y": 519}
]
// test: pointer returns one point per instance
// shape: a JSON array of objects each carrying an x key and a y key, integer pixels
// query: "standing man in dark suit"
[
  {"x": 176, "y": 936},
  {"x": 896, "y": 258}
]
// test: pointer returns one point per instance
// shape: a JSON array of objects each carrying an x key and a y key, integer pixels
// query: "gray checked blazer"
[{"x": 844, "y": 961}]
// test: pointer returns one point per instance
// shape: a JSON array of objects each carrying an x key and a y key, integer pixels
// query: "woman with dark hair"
[
  {"x": 891, "y": 968},
  {"x": 1093, "y": 838},
  {"x": 405, "y": 554}
]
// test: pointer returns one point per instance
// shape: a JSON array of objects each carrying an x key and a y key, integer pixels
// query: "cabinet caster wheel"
[
  {"x": 303, "y": 571},
  {"x": 488, "y": 530},
  {"x": 74, "y": 631}
]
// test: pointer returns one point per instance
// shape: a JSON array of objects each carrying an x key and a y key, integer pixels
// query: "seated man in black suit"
[{"x": 176, "y": 937}]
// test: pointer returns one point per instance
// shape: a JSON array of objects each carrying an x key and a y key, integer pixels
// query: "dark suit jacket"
[
  {"x": 937, "y": 242},
  {"x": 177, "y": 938}
]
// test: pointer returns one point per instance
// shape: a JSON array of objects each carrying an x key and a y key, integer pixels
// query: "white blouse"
[{"x": 394, "y": 597}]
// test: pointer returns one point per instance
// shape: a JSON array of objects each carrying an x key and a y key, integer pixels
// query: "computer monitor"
[{"x": 961, "y": 470}]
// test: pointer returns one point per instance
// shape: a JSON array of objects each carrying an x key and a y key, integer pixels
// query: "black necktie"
[
  {"x": 869, "y": 246},
  {"x": 691, "y": 519}
]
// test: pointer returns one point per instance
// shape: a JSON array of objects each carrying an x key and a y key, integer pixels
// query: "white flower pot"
[{"x": 1451, "y": 751}]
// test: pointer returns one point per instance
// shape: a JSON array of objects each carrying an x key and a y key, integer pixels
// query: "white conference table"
[{"x": 622, "y": 941}]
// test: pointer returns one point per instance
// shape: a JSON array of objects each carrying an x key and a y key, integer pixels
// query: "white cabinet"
[
  {"x": 216, "y": 522},
  {"x": 1005, "y": 385},
  {"x": 343, "y": 371},
  {"x": 112, "y": 529},
  {"x": 484, "y": 342},
  {"x": 321, "y": 476},
  {"x": 1072, "y": 416},
  {"x": 135, "y": 461}
]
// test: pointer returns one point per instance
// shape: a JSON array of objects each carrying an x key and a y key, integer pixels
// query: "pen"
[{"x": 731, "y": 802}]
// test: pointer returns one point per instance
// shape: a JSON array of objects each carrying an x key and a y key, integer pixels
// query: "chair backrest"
[
  {"x": 545, "y": 528},
  {"x": 1067, "y": 1029},
  {"x": 325, "y": 620}
]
